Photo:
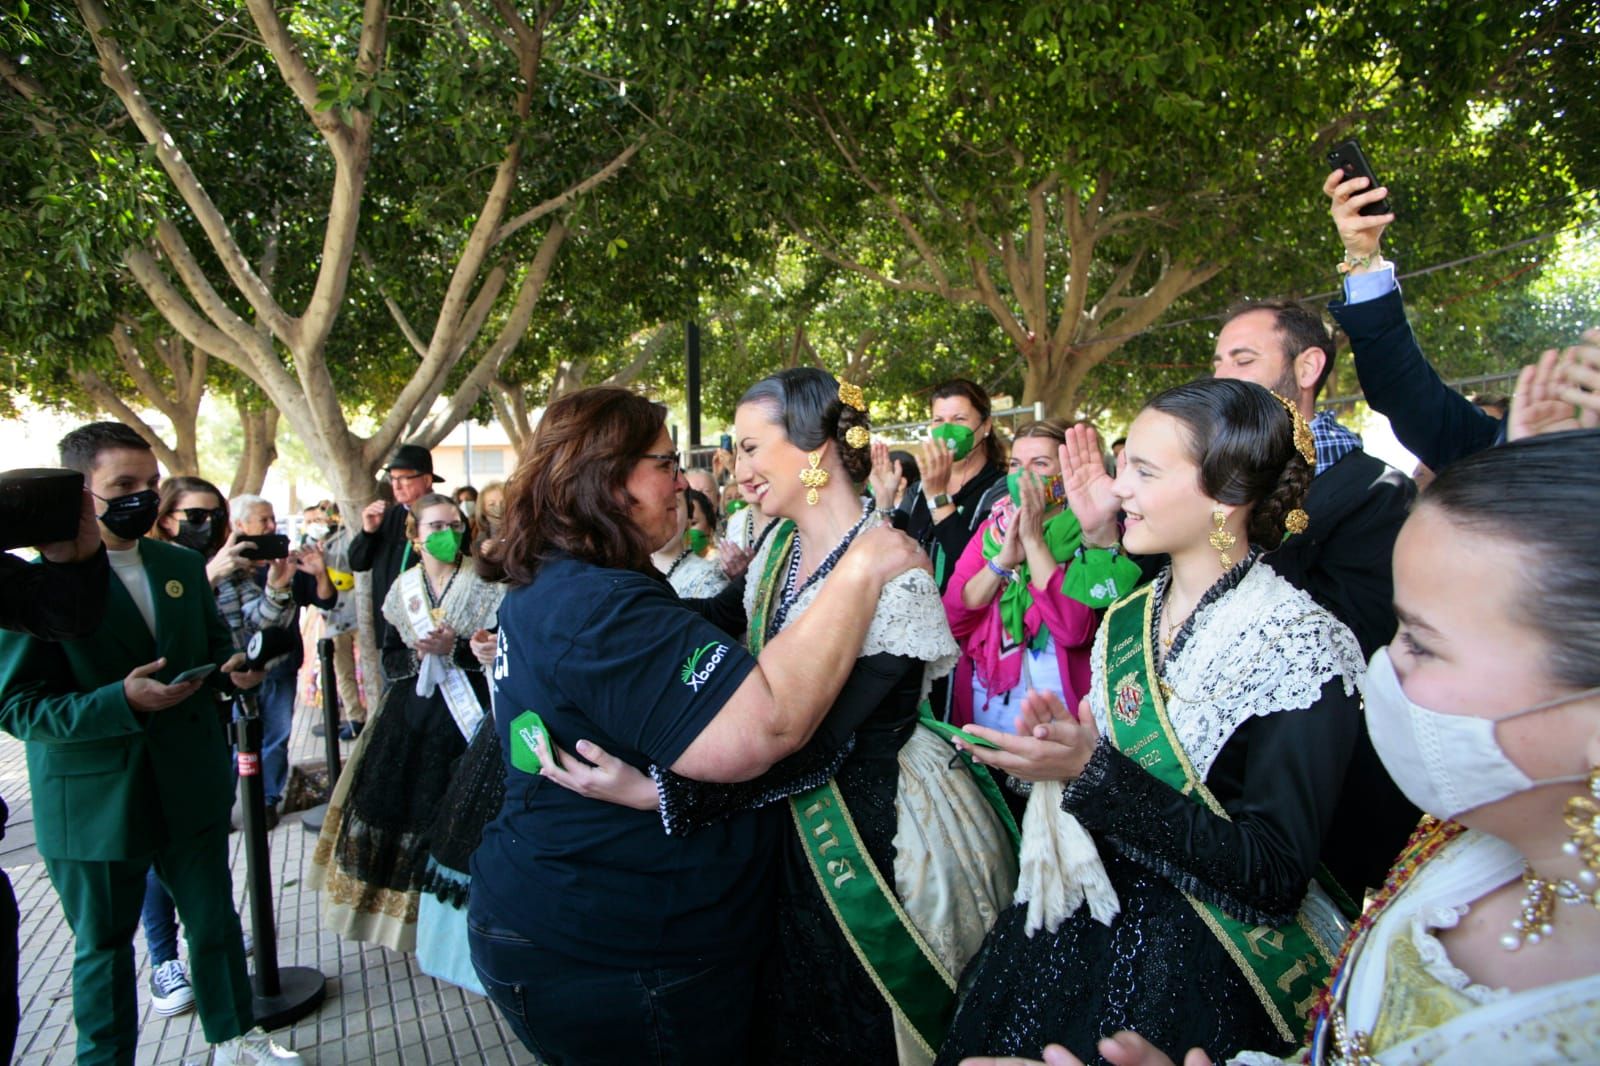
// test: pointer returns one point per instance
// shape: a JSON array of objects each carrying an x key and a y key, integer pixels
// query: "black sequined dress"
[{"x": 1157, "y": 969}]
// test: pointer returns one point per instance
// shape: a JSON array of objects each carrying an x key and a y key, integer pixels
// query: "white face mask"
[
  {"x": 315, "y": 530},
  {"x": 1444, "y": 763}
]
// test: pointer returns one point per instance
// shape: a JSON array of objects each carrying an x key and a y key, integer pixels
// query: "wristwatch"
[{"x": 938, "y": 500}]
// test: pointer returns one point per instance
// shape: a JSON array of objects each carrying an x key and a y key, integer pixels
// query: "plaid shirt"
[
  {"x": 1333, "y": 441},
  {"x": 245, "y": 608}
]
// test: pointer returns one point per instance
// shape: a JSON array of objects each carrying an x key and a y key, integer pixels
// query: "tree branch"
[
  {"x": 114, "y": 70},
  {"x": 566, "y": 197},
  {"x": 103, "y": 394}
]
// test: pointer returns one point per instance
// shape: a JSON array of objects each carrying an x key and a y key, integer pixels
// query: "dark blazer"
[
  {"x": 1435, "y": 422},
  {"x": 109, "y": 783},
  {"x": 1345, "y": 557},
  {"x": 1345, "y": 560},
  {"x": 384, "y": 554}
]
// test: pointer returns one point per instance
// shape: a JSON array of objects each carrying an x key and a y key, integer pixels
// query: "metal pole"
[
  {"x": 466, "y": 428},
  {"x": 330, "y": 710},
  {"x": 282, "y": 996}
]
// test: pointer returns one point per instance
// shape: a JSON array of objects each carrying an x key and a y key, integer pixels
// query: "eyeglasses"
[
  {"x": 393, "y": 477},
  {"x": 672, "y": 459},
  {"x": 439, "y": 527},
  {"x": 201, "y": 516}
]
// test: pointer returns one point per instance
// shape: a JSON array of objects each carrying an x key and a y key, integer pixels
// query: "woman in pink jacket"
[{"x": 1017, "y": 627}]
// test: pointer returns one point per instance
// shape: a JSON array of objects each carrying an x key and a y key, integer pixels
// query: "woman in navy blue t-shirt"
[{"x": 599, "y": 938}]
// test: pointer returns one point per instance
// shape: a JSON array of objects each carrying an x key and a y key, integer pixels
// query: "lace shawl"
[
  {"x": 697, "y": 578},
  {"x": 470, "y": 604},
  {"x": 1261, "y": 647},
  {"x": 909, "y": 621}
]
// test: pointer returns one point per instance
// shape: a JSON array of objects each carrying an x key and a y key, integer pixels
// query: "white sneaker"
[
  {"x": 170, "y": 992},
  {"x": 250, "y": 1049}
]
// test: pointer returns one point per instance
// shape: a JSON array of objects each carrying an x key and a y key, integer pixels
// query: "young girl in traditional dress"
[{"x": 371, "y": 858}]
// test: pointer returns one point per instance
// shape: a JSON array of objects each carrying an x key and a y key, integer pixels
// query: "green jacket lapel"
[{"x": 124, "y": 624}]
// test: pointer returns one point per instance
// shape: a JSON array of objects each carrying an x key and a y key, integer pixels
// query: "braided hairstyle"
[
  {"x": 1242, "y": 438},
  {"x": 805, "y": 401}
]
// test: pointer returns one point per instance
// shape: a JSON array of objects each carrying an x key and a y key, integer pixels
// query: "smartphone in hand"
[
  {"x": 194, "y": 674},
  {"x": 261, "y": 547},
  {"x": 1348, "y": 157}
]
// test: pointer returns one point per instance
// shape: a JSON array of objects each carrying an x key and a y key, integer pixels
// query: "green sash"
[
  {"x": 910, "y": 977},
  {"x": 1286, "y": 966}
]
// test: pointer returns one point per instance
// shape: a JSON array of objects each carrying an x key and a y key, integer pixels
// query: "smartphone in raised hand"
[{"x": 1348, "y": 157}]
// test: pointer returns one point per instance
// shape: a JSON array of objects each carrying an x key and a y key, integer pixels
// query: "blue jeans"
[
  {"x": 159, "y": 917},
  {"x": 275, "y": 697},
  {"x": 570, "y": 1012}
]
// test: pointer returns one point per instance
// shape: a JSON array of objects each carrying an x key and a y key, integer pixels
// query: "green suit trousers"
[{"x": 102, "y": 901}]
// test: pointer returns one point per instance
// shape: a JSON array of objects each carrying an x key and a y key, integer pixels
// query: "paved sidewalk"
[{"x": 380, "y": 1008}]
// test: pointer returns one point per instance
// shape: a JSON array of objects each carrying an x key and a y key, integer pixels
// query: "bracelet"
[
  {"x": 999, "y": 571},
  {"x": 1357, "y": 262}
]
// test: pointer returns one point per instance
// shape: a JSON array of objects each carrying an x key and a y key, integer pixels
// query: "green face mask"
[
  {"x": 698, "y": 540},
  {"x": 735, "y": 506},
  {"x": 444, "y": 545},
  {"x": 1055, "y": 489},
  {"x": 959, "y": 439}
]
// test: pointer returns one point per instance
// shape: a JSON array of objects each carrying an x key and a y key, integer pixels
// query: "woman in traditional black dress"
[
  {"x": 371, "y": 858},
  {"x": 1204, "y": 765}
]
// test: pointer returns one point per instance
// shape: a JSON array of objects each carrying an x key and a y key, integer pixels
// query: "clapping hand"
[
  {"x": 1050, "y": 745},
  {"x": 1089, "y": 487},
  {"x": 442, "y": 641},
  {"x": 733, "y": 559},
  {"x": 310, "y": 560},
  {"x": 885, "y": 476},
  {"x": 935, "y": 463},
  {"x": 1559, "y": 392}
]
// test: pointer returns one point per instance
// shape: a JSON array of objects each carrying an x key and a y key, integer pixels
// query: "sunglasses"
[{"x": 200, "y": 516}]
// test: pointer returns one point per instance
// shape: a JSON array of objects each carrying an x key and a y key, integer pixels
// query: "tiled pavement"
[{"x": 380, "y": 1008}]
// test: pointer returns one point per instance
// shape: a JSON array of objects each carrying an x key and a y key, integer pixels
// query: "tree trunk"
[
  {"x": 260, "y": 449},
  {"x": 1053, "y": 378}
]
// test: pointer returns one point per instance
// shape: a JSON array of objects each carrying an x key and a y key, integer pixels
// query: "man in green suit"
[{"x": 129, "y": 768}]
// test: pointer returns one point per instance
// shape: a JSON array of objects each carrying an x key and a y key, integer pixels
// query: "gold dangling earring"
[
  {"x": 1222, "y": 540},
  {"x": 1583, "y": 818},
  {"x": 814, "y": 478}
]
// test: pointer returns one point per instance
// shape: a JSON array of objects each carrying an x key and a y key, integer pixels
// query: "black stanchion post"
[
  {"x": 282, "y": 995},
  {"x": 311, "y": 820}
]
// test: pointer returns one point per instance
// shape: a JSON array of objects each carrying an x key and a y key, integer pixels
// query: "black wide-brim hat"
[{"x": 414, "y": 457}]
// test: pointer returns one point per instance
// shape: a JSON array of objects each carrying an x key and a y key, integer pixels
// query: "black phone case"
[{"x": 1348, "y": 157}]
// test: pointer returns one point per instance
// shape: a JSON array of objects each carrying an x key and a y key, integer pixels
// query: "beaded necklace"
[
  {"x": 673, "y": 569},
  {"x": 1327, "y": 1021},
  {"x": 791, "y": 594}
]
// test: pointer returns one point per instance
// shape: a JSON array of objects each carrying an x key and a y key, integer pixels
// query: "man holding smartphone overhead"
[{"x": 126, "y": 765}]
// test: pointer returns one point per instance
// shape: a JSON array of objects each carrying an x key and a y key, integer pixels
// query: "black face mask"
[
  {"x": 195, "y": 536},
  {"x": 130, "y": 517}
]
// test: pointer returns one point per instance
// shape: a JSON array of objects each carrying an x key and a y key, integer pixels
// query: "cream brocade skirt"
[
  {"x": 392, "y": 923},
  {"x": 954, "y": 867}
]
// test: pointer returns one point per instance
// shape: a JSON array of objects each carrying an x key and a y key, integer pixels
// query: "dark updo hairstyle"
[
  {"x": 176, "y": 488},
  {"x": 805, "y": 402},
  {"x": 695, "y": 500},
  {"x": 1242, "y": 438},
  {"x": 570, "y": 489},
  {"x": 1542, "y": 496},
  {"x": 994, "y": 453}
]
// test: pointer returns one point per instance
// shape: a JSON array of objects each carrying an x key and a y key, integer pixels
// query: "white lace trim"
[
  {"x": 909, "y": 621},
  {"x": 470, "y": 604},
  {"x": 697, "y": 578},
  {"x": 1437, "y": 961},
  {"x": 1261, "y": 647}
]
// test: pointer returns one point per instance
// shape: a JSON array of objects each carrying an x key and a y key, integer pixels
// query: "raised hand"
[
  {"x": 885, "y": 476},
  {"x": 372, "y": 516},
  {"x": 1057, "y": 750},
  {"x": 1360, "y": 233},
  {"x": 1089, "y": 487},
  {"x": 934, "y": 463}
]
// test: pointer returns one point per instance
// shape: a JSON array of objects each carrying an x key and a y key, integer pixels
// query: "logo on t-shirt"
[{"x": 698, "y": 667}]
